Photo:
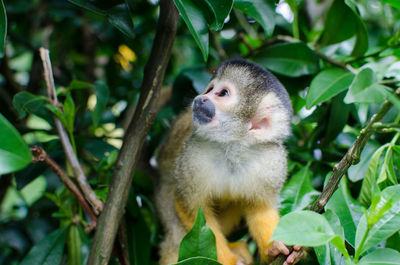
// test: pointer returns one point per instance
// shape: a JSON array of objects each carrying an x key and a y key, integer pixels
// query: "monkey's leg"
[
  {"x": 225, "y": 255},
  {"x": 262, "y": 220},
  {"x": 228, "y": 218}
]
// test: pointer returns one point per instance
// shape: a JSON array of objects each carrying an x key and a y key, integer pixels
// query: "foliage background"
[{"x": 339, "y": 60}]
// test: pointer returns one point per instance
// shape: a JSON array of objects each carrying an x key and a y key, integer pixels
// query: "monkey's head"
[{"x": 245, "y": 103}]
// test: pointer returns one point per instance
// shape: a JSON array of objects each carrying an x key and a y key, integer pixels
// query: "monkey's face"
[
  {"x": 242, "y": 103},
  {"x": 218, "y": 97}
]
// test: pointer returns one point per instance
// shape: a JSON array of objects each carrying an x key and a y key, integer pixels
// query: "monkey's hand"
[{"x": 293, "y": 255}]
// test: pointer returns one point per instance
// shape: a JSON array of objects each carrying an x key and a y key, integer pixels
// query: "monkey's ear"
[
  {"x": 270, "y": 121},
  {"x": 259, "y": 126}
]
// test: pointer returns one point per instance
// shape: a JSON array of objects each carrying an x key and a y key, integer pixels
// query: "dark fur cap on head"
[{"x": 264, "y": 78}]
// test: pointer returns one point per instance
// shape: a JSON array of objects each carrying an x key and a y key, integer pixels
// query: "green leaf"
[
  {"x": 25, "y": 102},
  {"x": 369, "y": 185},
  {"x": 199, "y": 241},
  {"x": 14, "y": 153},
  {"x": 338, "y": 116},
  {"x": 119, "y": 17},
  {"x": 298, "y": 193},
  {"x": 365, "y": 89},
  {"x": 347, "y": 209},
  {"x": 381, "y": 256},
  {"x": 47, "y": 251},
  {"x": 215, "y": 12},
  {"x": 198, "y": 261},
  {"x": 34, "y": 190},
  {"x": 74, "y": 242},
  {"x": 196, "y": 23},
  {"x": 58, "y": 113},
  {"x": 199, "y": 77},
  {"x": 3, "y": 28},
  {"x": 358, "y": 171},
  {"x": 394, "y": 3},
  {"x": 304, "y": 228},
  {"x": 389, "y": 223},
  {"x": 87, "y": 5},
  {"x": 69, "y": 113},
  {"x": 289, "y": 59},
  {"x": 260, "y": 11},
  {"x": 328, "y": 253},
  {"x": 77, "y": 84},
  {"x": 340, "y": 24},
  {"x": 361, "y": 45},
  {"x": 327, "y": 84},
  {"x": 102, "y": 94}
]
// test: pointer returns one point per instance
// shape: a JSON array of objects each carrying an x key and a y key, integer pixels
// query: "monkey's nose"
[{"x": 203, "y": 109}]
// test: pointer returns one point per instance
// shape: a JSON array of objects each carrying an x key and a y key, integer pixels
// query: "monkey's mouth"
[{"x": 203, "y": 115}]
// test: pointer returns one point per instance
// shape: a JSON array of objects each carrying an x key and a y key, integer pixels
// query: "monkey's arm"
[
  {"x": 262, "y": 220},
  {"x": 225, "y": 255}
]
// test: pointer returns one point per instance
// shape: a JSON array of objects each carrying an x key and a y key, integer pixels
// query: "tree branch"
[
  {"x": 39, "y": 155},
  {"x": 138, "y": 128},
  {"x": 72, "y": 159},
  {"x": 351, "y": 157}
]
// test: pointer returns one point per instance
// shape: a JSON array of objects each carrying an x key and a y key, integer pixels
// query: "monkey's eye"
[
  {"x": 223, "y": 93},
  {"x": 209, "y": 89}
]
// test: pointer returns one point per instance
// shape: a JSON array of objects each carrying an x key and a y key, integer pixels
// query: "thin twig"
[
  {"x": 138, "y": 128},
  {"x": 351, "y": 157},
  {"x": 336, "y": 63},
  {"x": 72, "y": 159},
  {"x": 39, "y": 155}
]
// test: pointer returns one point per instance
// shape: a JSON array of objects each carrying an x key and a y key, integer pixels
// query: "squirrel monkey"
[{"x": 226, "y": 154}]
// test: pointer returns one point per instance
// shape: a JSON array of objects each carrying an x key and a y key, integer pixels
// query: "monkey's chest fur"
[{"x": 210, "y": 170}]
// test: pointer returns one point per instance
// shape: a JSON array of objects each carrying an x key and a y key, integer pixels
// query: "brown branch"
[
  {"x": 72, "y": 159},
  {"x": 351, "y": 157},
  {"x": 39, "y": 155},
  {"x": 138, "y": 128}
]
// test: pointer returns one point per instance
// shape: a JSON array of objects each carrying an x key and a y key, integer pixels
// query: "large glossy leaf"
[
  {"x": 394, "y": 3},
  {"x": 199, "y": 241},
  {"x": 338, "y": 116},
  {"x": 369, "y": 185},
  {"x": 196, "y": 23},
  {"x": 118, "y": 16},
  {"x": 365, "y": 89},
  {"x": 358, "y": 171},
  {"x": 347, "y": 209},
  {"x": 260, "y": 11},
  {"x": 304, "y": 228},
  {"x": 14, "y": 153},
  {"x": 47, "y": 251},
  {"x": 328, "y": 254},
  {"x": 102, "y": 94},
  {"x": 298, "y": 193},
  {"x": 327, "y": 84},
  {"x": 381, "y": 256},
  {"x": 340, "y": 23},
  {"x": 198, "y": 261},
  {"x": 25, "y": 102},
  {"x": 215, "y": 11},
  {"x": 3, "y": 28},
  {"x": 361, "y": 45},
  {"x": 389, "y": 223},
  {"x": 289, "y": 59}
]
